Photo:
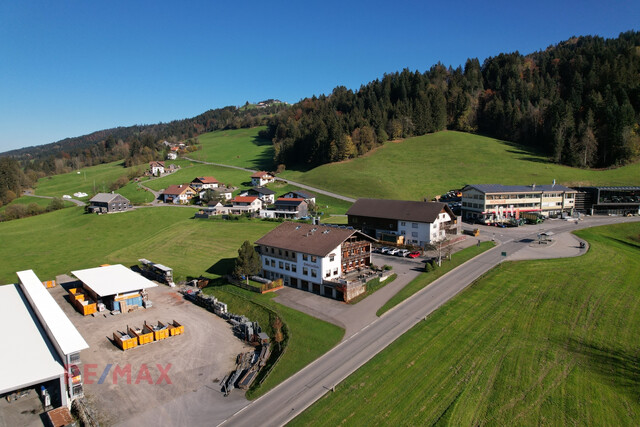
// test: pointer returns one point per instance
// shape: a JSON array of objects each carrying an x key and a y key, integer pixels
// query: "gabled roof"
[
  {"x": 206, "y": 180},
  {"x": 302, "y": 194},
  {"x": 288, "y": 201},
  {"x": 154, "y": 163},
  {"x": 243, "y": 199},
  {"x": 262, "y": 190},
  {"x": 260, "y": 174},
  {"x": 498, "y": 188},
  {"x": 105, "y": 197},
  {"x": 176, "y": 190},
  {"x": 401, "y": 210},
  {"x": 311, "y": 239}
]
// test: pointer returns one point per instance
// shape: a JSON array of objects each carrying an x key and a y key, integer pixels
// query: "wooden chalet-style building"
[
  {"x": 261, "y": 178},
  {"x": 316, "y": 258},
  {"x": 204, "y": 183},
  {"x": 108, "y": 203},
  {"x": 178, "y": 194},
  {"x": 403, "y": 222}
]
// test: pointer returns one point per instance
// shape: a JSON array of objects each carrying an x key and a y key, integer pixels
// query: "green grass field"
[
  {"x": 25, "y": 200},
  {"x": 236, "y": 147},
  {"x": 428, "y": 165},
  {"x": 551, "y": 342},
  {"x": 91, "y": 180},
  {"x": 309, "y": 337},
  {"x": 426, "y": 278},
  {"x": 68, "y": 239}
]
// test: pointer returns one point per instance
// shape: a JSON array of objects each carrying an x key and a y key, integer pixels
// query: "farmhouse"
[
  {"x": 204, "y": 183},
  {"x": 156, "y": 168},
  {"x": 108, "y": 203},
  {"x": 315, "y": 258},
  {"x": 115, "y": 286},
  {"x": 178, "y": 194},
  {"x": 261, "y": 178},
  {"x": 42, "y": 347},
  {"x": 402, "y": 221},
  {"x": 301, "y": 194},
  {"x": 501, "y": 203},
  {"x": 264, "y": 194}
]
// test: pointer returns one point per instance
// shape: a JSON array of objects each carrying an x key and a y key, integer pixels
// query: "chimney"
[{"x": 554, "y": 183}]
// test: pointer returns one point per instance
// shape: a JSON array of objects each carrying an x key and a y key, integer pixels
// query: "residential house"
[
  {"x": 289, "y": 208},
  {"x": 213, "y": 208},
  {"x": 108, "y": 203},
  {"x": 261, "y": 178},
  {"x": 264, "y": 194},
  {"x": 178, "y": 194},
  {"x": 244, "y": 204},
  {"x": 315, "y": 258},
  {"x": 204, "y": 183},
  {"x": 308, "y": 196},
  {"x": 402, "y": 221},
  {"x": 502, "y": 203},
  {"x": 156, "y": 168}
]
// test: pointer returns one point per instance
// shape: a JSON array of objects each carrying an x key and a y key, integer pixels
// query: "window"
[
  {"x": 331, "y": 258},
  {"x": 280, "y": 264},
  {"x": 313, "y": 259},
  {"x": 402, "y": 223},
  {"x": 327, "y": 273},
  {"x": 266, "y": 261},
  {"x": 294, "y": 268},
  {"x": 273, "y": 251},
  {"x": 335, "y": 271},
  {"x": 314, "y": 273},
  {"x": 286, "y": 253},
  {"x": 280, "y": 252},
  {"x": 305, "y": 257},
  {"x": 414, "y": 225},
  {"x": 293, "y": 254},
  {"x": 287, "y": 266},
  {"x": 305, "y": 271}
]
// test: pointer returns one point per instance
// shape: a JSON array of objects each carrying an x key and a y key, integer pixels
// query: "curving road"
[
  {"x": 301, "y": 390},
  {"x": 297, "y": 184}
]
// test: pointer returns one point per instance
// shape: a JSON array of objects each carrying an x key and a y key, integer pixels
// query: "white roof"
[
  {"x": 112, "y": 279},
  {"x": 27, "y": 357},
  {"x": 60, "y": 328}
]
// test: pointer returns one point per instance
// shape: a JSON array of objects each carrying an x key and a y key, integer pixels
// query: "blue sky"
[{"x": 68, "y": 68}]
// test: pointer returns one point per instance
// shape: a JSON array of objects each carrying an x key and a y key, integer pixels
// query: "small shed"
[{"x": 116, "y": 286}]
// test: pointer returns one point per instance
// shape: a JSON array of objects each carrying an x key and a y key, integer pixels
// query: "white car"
[
  {"x": 402, "y": 252},
  {"x": 393, "y": 251}
]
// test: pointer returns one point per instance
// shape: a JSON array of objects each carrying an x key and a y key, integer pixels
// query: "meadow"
[
  {"x": 26, "y": 200},
  {"x": 532, "y": 342},
  {"x": 432, "y": 164},
  {"x": 90, "y": 180},
  {"x": 68, "y": 239},
  {"x": 236, "y": 147}
]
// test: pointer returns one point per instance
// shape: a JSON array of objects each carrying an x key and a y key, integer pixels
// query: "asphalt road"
[
  {"x": 297, "y": 184},
  {"x": 302, "y": 389}
]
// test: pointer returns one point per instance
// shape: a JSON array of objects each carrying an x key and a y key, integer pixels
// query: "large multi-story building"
[
  {"x": 608, "y": 200},
  {"x": 402, "y": 221},
  {"x": 490, "y": 203},
  {"x": 315, "y": 258}
]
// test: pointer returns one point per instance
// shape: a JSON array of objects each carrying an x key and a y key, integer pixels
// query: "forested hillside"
[{"x": 578, "y": 102}]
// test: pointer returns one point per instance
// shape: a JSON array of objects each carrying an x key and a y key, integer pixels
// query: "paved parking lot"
[{"x": 193, "y": 364}]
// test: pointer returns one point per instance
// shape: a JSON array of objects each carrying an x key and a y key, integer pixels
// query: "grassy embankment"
[
  {"x": 428, "y": 165},
  {"x": 26, "y": 200},
  {"x": 426, "y": 278},
  {"x": 549, "y": 341}
]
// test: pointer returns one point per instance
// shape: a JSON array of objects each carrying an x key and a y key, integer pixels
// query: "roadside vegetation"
[
  {"x": 531, "y": 341},
  {"x": 372, "y": 286},
  {"x": 432, "y": 164},
  {"x": 433, "y": 272},
  {"x": 27, "y": 206}
]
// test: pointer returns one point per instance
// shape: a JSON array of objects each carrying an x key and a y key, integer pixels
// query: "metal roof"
[
  {"x": 399, "y": 210},
  {"x": 103, "y": 197},
  {"x": 113, "y": 279},
  {"x": 28, "y": 357},
  {"x": 60, "y": 329},
  {"x": 262, "y": 190},
  {"x": 499, "y": 188}
]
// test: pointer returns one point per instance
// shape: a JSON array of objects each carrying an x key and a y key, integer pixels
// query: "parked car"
[
  {"x": 392, "y": 251},
  {"x": 402, "y": 252},
  {"x": 384, "y": 250},
  {"x": 414, "y": 254}
]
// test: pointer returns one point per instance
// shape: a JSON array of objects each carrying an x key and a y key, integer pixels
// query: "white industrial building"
[{"x": 42, "y": 345}]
